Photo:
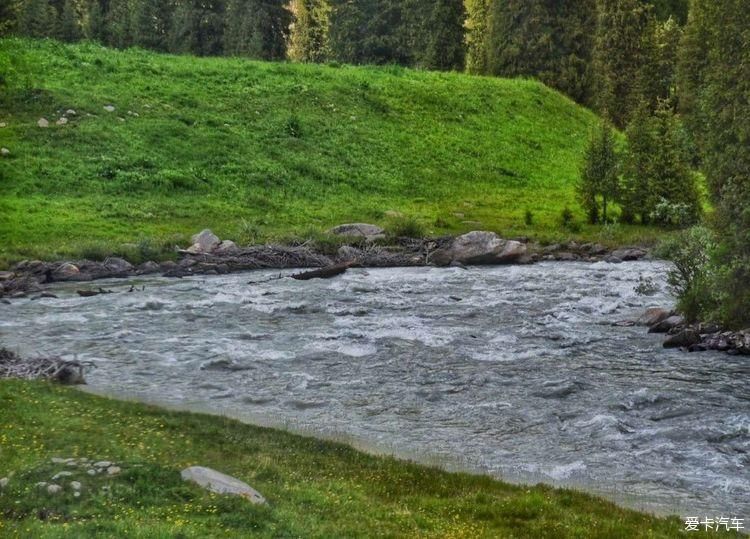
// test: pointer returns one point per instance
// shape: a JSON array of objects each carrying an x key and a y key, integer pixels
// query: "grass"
[
  {"x": 280, "y": 150},
  {"x": 314, "y": 488}
]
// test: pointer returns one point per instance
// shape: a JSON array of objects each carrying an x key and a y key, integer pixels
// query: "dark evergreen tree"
[
  {"x": 436, "y": 29},
  {"x": 96, "y": 23},
  {"x": 598, "y": 187},
  {"x": 151, "y": 20},
  {"x": 674, "y": 9},
  {"x": 8, "y": 16},
  {"x": 198, "y": 28},
  {"x": 618, "y": 57},
  {"x": 257, "y": 28},
  {"x": 34, "y": 19},
  {"x": 657, "y": 74},
  {"x": 69, "y": 27},
  {"x": 545, "y": 39},
  {"x": 310, "y": 34},
  {"x": 719, "y": 88},
  {"x": 119, "y": 27}
]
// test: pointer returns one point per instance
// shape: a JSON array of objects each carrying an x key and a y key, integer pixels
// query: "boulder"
[
  {"x": 118, "y": 265},
  {"x": 653, "y": 316},
  {"x": 204, "y": 242},
  {"x": 682, "y": 339},
  {"x": 476, "y": 248},
  {"x": 359, "y": 230},
  {"x": 66, "y": 272},
  {"x": 667, "y": 325},
  {"x": 148, "y": 267},
  {"x": 347, "y": 252},
  {"x": 220, "y": 483},
  {"x": 628, "y": 254},
  {"x": 226, "y": 247}
]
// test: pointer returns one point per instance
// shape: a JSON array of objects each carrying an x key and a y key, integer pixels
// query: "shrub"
[
  {"x": 529, "y": 218},
  {"x": 406, "y": 227},
  {"x": 693, "y": 277}
]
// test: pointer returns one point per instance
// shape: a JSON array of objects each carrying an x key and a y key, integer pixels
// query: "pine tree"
[
  {"x": 309, "y": 39},
  {"x": 718, "y": 86},
  {"x": 618, "y": 55},
  {"x": 119, "y": 19},
  {"x": 69, "y": 29},
  {"x": 8, "y": 16},
  {"x": 545, "y": 39},
  {"x": 438, "y": 34},
  {"x": 598, "y": 186},
  {"x": 656, "y": 83},
  {"x": 34, "y": 19},
  {"x": 96, "y": 24},
  {"x": 257, "y": 29},
  {"x": 477, "y": 15}
]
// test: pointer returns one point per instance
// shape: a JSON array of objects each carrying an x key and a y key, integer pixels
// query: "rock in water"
[
  {"x": 478, "y": 247},
  {"x": 683, "y": 339},
  {"x": 653, "y": 316},
  {"x": 220, "y": 483},
  {"x": 667, "y": 325}
]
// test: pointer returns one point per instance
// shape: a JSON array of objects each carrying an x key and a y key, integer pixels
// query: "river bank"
[{"x": 314, "y": 488}]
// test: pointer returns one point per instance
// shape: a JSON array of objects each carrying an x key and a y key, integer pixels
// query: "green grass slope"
[
  {"x": 314, "y": 488},
  {"x": 270, "y": 150}
]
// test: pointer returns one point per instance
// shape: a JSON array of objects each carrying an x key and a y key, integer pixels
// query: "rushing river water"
[{"x": 515, "y": 371}]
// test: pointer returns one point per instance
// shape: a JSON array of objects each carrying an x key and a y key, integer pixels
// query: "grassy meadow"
[
  {"x": 314, "y": 488},
  {"x": 273, "y": 151}
]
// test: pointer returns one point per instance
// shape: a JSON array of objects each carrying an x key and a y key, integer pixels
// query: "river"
[{"x": 515, "y": 371}]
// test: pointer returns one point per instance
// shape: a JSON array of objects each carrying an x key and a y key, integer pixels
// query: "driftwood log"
[
  {"x": 55, "y": 369},
  {"x": 324, "y": 273}
]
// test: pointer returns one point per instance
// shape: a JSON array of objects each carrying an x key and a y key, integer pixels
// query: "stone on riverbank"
[
  {"x": 667, "y": 325},
  {"x": 682, "y": 339},
  {"x": 653, "y": 316},
  {"x": 359, "y": 230},
  {"x": 220, "y": 483},
  {"x": 479, "y": 248}
]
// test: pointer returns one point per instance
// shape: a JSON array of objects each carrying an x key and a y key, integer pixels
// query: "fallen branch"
[
  {"x": 55, "y": 369},
  {"x": 324, "y": 273}
]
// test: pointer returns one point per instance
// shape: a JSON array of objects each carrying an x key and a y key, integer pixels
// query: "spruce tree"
[
  {"x": 477, "y": 15},
  {"x": 545, "y": 39},
  {"x": 96, "y": 23},
  {"x": 618, "y": 56},
  {"x": 719, "y": 87},
  {"x": 439, "y": 34},
  {"x": 8, "y": 16},
  {"x": 69, "y": 29},
  {"x": 598, "y": 186},
  {"x": 309, "y": 39},
  {"x": 151, "y": 19},
  {"x": 34, "y": 19}
]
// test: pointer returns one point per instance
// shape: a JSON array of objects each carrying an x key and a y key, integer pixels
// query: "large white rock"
[
  {"x": 43, "y": 122},
  {"x": 205, "y": 242},
  {"x": 479, "y": 248},
  {"x": 220, "y": 483}
]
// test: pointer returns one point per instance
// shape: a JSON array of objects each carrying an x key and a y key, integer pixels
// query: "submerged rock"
[{"x": 220, "y": 483}]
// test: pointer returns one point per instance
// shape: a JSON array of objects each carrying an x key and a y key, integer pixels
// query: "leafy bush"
[
  {"x": 693, "y": 277},
  {"x": 677, "y": 214},
  {"x": 529, "y": 218},
  {"x": 406, "y": 227}
]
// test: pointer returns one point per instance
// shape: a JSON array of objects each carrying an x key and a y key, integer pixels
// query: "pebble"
[
  {"x": 91, "y": 472},
  {"x": 76, "y": 494},
  {"x": 58, "y": 460},
  {"x": 43, "y": 122},
  {"x": 62, "y": 121},
  {"x": 61, "y": 474},
  {"x": 103, "y": 464},
  {"x": 113, "y": 470},
  {"x": 54, "y": 489},
  {"x": 75, "y": 485},
  {"x": 5, "y": 152},
  {"x": 109, "y": 108},
  {"x": 70, "y": 112},
  {"x": 4, "y": 482}
]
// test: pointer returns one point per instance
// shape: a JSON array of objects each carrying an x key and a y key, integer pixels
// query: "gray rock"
[
  {"x": 103, "y": 464},
  {"x": 667, "y": 324},
  {"x": 70, "y": 112},
  {"x": 41, "y": 484},
  {"x": 205, "y": 241},
  {"x": 91, "y": 472},
  {"x": 479, "y": 248},
  {"x": 359, "y": 230},
  {"x": 148, "y": 267},
  {"x": 611, "y": 259},
  {"x": 75, "y": 485},
  {"x": 220, "y": 483},
  {"x": 43, "y": 122},
  {"x": 58, "y": 460},
  {"x": 653, "y": 316},
  {"x": 683, "y": 339},
  {"x": 3, "y": 124},
  {"x": 54, "y": 489},
  {"x": 628, "y": 254},
  {"x": 113, "y": 470},
  {"x": 62, "y": 121},
  {"x": 66, "y": 272},
  {"x": 226, "y": 247},
  {"x": 118, "y": 265},
  {"x": 60, "y": 475},
  {"x": 5, "y": 152},
  {"x": 109, "y": 108},
  {"x": 4, "y": 482}
]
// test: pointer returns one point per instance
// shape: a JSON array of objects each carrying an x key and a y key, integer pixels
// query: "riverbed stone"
[
  {"x": 629, "y": 253},
  {"x": 148, "y": 267},
  {"x": 653, "y": 316},
  {"x": 117, "y": 265},
  {"x": 226, "y": 247},
  {"x": 667, "y": 325},
  {"x": 359, "y": 230},
  {"x": 683, "y": 339},
  {"x": 66, "y": 272},
  {"x": 204, "y": 242},
  {"x": 478, "y": 248},
  {"x": 220, "y": 483}
]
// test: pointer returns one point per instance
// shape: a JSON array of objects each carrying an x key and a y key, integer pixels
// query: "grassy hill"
[{"x": 271, "y": 150}]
